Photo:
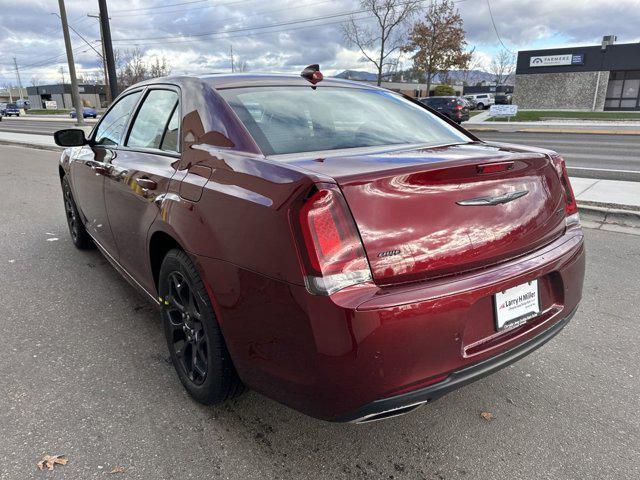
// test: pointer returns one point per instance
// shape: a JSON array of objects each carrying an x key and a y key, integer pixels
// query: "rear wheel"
[
  {"x": 79, "y": 235},
  {"x": 197, "y": 348},
  {"x": 480, "y": 106}
]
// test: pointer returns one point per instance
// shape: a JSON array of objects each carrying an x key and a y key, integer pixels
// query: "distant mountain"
[
  {"x": 456, "y": 76},
  {"x": 357, "y": 75}
]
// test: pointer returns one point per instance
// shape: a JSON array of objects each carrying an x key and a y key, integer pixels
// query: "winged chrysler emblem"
[{"x": 497, "y": 200}]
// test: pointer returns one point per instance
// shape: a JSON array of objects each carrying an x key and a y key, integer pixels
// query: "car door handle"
[{"x": 147, "y": 183}]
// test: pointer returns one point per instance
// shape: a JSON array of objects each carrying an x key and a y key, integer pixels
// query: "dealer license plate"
[{"x": 517, "y": 305}]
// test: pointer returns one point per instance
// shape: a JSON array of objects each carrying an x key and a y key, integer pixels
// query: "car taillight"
[
  {"x": 330, "y": 249},
  {"x": 458, "y": 107},
  {"x": 571, "y": 207}
]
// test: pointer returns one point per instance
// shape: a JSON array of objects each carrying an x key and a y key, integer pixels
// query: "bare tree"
[
  {"x": 502, "y": 66},
  {"x": 35, "y": 81},
  {"x": 159, "y": 68},
  {"x": 242, "y": 66},
  {"x": 468, "y": 74},
  {"x": 438, "y": 41},
  {"x": 379, "y": 42},
  {"x": 131, "y": 67}
]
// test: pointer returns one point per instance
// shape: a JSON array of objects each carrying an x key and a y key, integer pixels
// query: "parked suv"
[
  {"x": 503, "y": 99},
  {"x": 456, "y": 108},
  {"x": 330, "y": 244},
  {"x": 483, "y": 100}
]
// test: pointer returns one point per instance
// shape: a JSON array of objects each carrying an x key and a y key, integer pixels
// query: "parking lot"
[{"x": 86, "y": 373}]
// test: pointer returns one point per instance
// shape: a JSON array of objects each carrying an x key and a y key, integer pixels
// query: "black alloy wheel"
[
  {"x": 194, "y": 338},
  {"x": 187, "y": 331}
]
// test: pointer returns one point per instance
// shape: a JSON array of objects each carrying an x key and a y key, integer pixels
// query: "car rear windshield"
[{"x": 285, "y": 120}]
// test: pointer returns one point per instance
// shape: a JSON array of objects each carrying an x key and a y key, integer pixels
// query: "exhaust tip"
[{"x": 395, "y": 412}]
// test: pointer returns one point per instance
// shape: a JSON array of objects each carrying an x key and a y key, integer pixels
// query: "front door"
[
  {"x": 92, "y": 164},
  {"x": 139, "y": 174}
]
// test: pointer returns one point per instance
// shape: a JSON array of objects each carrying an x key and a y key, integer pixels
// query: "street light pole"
[
  {"x": 75, "y": 93},
  {"x": 108, "y": 48}
]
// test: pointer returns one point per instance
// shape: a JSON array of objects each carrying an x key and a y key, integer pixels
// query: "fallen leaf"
[
  {"x": 487, "y": 415},
  {"x": 117, "y": 469},
  {"x": 50, "y": 460}
]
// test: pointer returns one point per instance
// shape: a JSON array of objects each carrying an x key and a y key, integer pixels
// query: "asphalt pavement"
[
  {"x": 37, "y": 126},
  {"x": 86, "y": 373},
  {"x": 590, "y": 155}
]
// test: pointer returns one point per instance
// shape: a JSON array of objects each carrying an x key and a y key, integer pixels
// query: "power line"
[
  {"x": 181, "y": 10},
  {"x": 259, "y": 27},
  {"x": 496, "y": 29},
  {"x": 160, "y": 6},
  {"x": 249, "y": 34},
  {"x": 244, "y": 29}
]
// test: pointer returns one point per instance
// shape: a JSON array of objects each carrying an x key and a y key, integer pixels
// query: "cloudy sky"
[{"x": 276, "y": 35}]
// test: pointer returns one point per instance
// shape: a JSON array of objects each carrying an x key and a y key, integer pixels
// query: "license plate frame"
[{"x": 516, "y": 305}]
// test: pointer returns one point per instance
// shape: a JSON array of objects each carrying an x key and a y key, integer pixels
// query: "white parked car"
[{"x": 483, "y": 100}]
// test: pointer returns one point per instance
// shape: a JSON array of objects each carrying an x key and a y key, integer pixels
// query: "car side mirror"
[{"x": 70, "y": 137}]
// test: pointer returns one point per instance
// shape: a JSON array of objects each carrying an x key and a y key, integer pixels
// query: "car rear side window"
[
  {"x": 170, "y": 141},
  {"x": 284, "y": 120},
  {"x": 111, "y": 128},
  {"x": 152, "y": 119}
]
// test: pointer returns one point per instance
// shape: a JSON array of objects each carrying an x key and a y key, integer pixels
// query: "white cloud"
[{"x": 33, "y": 35}]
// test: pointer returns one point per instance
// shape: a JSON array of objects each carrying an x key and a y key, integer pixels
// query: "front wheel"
[
  {"x": 480, "y": 106},
  {"x": 197, "y": 348}
]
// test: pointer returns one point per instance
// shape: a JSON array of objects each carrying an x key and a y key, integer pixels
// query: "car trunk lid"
[{"x": 429, "y": 212}]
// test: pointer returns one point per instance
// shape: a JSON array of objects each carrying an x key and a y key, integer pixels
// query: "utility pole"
[
  {"x": 75, "y": 94},
  {"x": 107, "y": 90},
  {"x": 15, "y": 62},
  {"x": 232, "y": 66},
  {"x": 108, "y": 48},
  {"x": 62, "y": 73}
]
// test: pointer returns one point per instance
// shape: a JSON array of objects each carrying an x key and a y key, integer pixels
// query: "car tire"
[
  {"x": 480, "y": 106},
  {"x": 196, "y": 345},
  {"x": 78, "y": 232}
]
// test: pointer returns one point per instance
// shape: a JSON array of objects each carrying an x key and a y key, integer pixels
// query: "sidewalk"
[{"x": 604, "y": 197}]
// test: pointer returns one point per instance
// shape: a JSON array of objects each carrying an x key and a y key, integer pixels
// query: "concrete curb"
[
  {"x": 54, "y": 148},
  {"x": 611, "y": 219}
]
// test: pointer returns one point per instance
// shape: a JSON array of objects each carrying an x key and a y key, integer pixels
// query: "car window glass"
[
  {"x": 170, "y": 142},
  {"x": 151, "y": 120},
  {"x": 110, "y": 129},
  {"x": 290, "y": 120}
]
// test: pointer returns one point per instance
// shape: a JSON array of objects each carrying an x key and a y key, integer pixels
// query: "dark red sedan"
[{"x": 335, "y": 246}]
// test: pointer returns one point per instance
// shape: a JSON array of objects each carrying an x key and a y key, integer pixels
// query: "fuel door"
[{"x": 192, "y": 184}]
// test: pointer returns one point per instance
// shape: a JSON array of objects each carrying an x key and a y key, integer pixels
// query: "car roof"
[{"x": 241, "y": 80}]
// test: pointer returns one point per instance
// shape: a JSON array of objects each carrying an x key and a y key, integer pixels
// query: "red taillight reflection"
[
  {"x": 571, "y": 207},
  {"x": 332, "y": 255}
]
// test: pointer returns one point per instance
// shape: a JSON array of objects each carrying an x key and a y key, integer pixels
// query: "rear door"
[
  {"x": 92, "y": 164},
  {"x": 140, "y": 174}
]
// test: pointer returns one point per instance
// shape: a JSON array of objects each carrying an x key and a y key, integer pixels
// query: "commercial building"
[
  {"x": 595, "y": 78},
  {"x": 495, "y": 89},
  {"x": 59, "y": 96},
  {"x": 414, "y": 90}
]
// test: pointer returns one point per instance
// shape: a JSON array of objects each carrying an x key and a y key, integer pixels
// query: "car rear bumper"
[
  {"x": 404, "y": 403},
  {"x": 369, "y": 349}
]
